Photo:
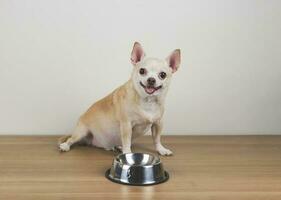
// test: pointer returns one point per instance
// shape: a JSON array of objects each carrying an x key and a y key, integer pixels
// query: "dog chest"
[{"x": 149, "y": 112}]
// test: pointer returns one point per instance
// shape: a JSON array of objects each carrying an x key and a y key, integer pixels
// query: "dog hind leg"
[{"x": 78, "y": 134}]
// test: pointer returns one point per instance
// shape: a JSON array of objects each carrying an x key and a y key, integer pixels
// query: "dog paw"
[
  {"x": 64, "y": 147},
  {"x": 118, "y": 149},
  {"x": 164, "y": 152},
  {"x": 125, "y": 150}
]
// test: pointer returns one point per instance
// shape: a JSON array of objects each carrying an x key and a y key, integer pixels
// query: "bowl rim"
[{"x": 158, "y": 160}]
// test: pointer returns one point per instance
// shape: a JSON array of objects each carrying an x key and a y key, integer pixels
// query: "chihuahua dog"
[{"x": 131, "y": 110}]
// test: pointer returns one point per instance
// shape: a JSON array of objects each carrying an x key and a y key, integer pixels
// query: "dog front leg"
[
  {"x": 156, "y": 130},
  {"x": 126, "y": 136}
]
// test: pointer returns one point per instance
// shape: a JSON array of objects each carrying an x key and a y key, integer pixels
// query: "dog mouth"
[{"x": 150, "y": 89}]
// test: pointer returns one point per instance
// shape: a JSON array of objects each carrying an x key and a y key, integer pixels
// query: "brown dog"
[{"x": 131, "y": 110}]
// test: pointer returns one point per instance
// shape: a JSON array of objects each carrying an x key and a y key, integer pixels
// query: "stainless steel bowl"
[{"x": 137, "y": 169}]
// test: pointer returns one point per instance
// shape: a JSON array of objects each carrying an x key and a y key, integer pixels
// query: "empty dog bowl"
[{"x": 137, "y": 169}]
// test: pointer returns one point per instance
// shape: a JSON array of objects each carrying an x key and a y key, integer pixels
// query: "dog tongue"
[{"x": 149, "y": 90}]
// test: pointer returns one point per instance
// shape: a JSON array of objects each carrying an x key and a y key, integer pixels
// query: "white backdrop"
[{"x": 58, "y": 57}]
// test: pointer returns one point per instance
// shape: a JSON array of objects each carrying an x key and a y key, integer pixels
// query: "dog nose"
[{"x": 151, "y": 81}]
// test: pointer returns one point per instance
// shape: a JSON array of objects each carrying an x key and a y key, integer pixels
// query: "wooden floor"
[{"x": 203, "y": 167}]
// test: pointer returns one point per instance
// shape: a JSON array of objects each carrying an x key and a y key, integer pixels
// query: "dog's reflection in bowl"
[{"x": 137, "y": 169}]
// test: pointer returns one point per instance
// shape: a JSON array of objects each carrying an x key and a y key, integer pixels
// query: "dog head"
[{"x": 151, "y": 76}]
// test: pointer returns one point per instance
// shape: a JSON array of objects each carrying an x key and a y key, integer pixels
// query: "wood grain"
[{"x": 203, "y": 167}]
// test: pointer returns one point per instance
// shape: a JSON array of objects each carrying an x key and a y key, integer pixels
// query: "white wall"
[{"x": 58, "y": 57}]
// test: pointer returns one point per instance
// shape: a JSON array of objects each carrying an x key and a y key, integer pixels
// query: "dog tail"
[{"x": 63, "y": 139}]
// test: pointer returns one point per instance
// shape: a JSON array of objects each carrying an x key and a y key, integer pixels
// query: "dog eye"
[
  {"x": 162, "y": 75},
  {"x": 142, "y": 71}
]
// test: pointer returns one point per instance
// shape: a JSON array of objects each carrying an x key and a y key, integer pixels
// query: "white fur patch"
[{"x": 64, "y": 147}]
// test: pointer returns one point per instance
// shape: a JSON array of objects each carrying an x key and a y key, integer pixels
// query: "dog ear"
[
  {"x": 174, "y": 60},
  {"x": 137, "y": 53}
]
